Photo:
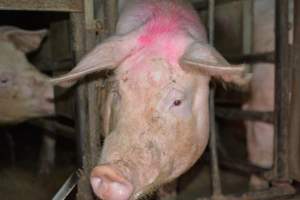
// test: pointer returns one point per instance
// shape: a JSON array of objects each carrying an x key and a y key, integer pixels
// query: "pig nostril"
[
  {"x": 96, "y": 182},
  {"x": 109, "y": 185},
  {"x": 3, "y": 81}
]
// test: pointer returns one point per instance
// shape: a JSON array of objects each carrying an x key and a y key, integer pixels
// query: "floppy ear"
[
  {"x": 107, "y": 55},
  {"x": 202, "y": 58},
  {"x": 23, "y": 40}
]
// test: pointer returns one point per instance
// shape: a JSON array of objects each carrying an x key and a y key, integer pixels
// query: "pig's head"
[
  {"x": 24, "y": 91},
  {"x": 156, "y": 116}
]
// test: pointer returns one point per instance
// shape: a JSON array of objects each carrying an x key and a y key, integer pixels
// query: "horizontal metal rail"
[
  {"x": 274, "y": 193},
  {"x": 42, "y": 5},
  {"x": 203, "y": 5},
  {"x": 237, "y": 114},
  {"x": 268, "y": 57}
]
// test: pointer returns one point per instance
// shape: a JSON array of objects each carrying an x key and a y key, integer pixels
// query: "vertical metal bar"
[
  {"x": 84, "y": 40},
  {"x": 211, "y": 21},
  {"x": 91, "y": 140},
  {"x": 282, "y": 92},
  {"x": 215, "y": 172},
  {"x": 247, "y": 26},
  {"x": 82, "y": 125},
  {"x": 76, "y": 21},
  {"x": 93, "y": 135},
  {"x": 295, "y": 101},
  {"x": 111, "y": 15}
]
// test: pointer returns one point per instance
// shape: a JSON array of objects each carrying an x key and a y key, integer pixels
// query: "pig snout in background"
[
  {"x": 156, "y": 115},
  {"x": 25, "y": 93},
  {"x": 260, "y": 135}
]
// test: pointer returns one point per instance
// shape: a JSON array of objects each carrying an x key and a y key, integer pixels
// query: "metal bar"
[
  {"x": 247, "y": 26},
  {"x": 77, "y": 24},
  {"x": 67, "y": 187},
  {"x": 82, "y": 122},
  {"x": 282, "y": 92},
  {"x": 215, "y": 172},
  {"x": 268, "y": 57},
  {"x": 60, "y": 129},
  {"x": 203, "y": 5},
  {"x": 237, "y": 114},
  {"x": 111, "y": 15},
  {"x": 274, "y": 193},
  {"x": 93, "y": 135},
  {"x": 295, "y": 101},
  {"x": 42, "y": 5},
  {"x": 211, "y": 21}
]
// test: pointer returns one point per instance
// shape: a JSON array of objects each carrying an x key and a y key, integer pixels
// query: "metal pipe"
[
  {"x": 267, "y": 57},
  {"x": 282, "y": 92},
  {"x": 295, "y": 101},
  {"x": 44, "y": 5},
  {"x": 215, "y": 172},
  {"x": 238, "y": 114}
]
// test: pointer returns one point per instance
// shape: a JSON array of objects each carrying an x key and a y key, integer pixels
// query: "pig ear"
[
  {"x": 107, "y": 55},
  {"x": 202, "y": 58},
  {"x": 24, "y": 40}
]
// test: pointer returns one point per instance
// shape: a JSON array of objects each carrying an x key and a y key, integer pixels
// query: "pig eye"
[
  {"x": 4, "y": 81},
  {"x": 177, "y": 102}
]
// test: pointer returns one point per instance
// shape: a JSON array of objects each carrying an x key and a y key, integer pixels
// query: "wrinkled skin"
[
  {"x": 24, "y": 91},
  {"x": 156, "y": 113}
]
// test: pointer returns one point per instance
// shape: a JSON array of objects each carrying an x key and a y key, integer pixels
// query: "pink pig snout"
[{"x": 109, "y": 184}]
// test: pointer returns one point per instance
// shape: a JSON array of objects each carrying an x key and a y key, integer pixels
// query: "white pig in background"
[
  {"x": 156, "y": 116},
  {"x": 24, "y": 91},
  {"x": 260, "y": 135}
]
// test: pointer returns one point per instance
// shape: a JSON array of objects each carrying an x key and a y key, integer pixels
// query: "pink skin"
[
  {"x": 146, "y": 76},
  {"x": 24, "y": 92},
  {"x": 156, "y": 108}
]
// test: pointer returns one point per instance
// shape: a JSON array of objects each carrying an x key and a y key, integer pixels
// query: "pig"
[
  {"x": 260, "y": 135},
  {"x": 25, "y": 93},
  {"x": 156, "y": 117}
]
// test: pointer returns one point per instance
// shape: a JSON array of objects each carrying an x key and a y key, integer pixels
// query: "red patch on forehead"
[
  {"x": 166, "y": 18},
  {"x": 156, "y": 29},
  {"x": 164, "y": 32}
]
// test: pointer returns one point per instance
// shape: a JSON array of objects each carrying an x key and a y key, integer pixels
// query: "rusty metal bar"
[
  {"x": 77, "y": 25},
  {"x": 42, "y": 5},
  {"x": 282, "y": 92},
  {"x": 295, "y": 101},
  {"x": 238, "y": 114},
  {"x": 91, "y": 140},
  {"x": 82, "y": 122}
]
